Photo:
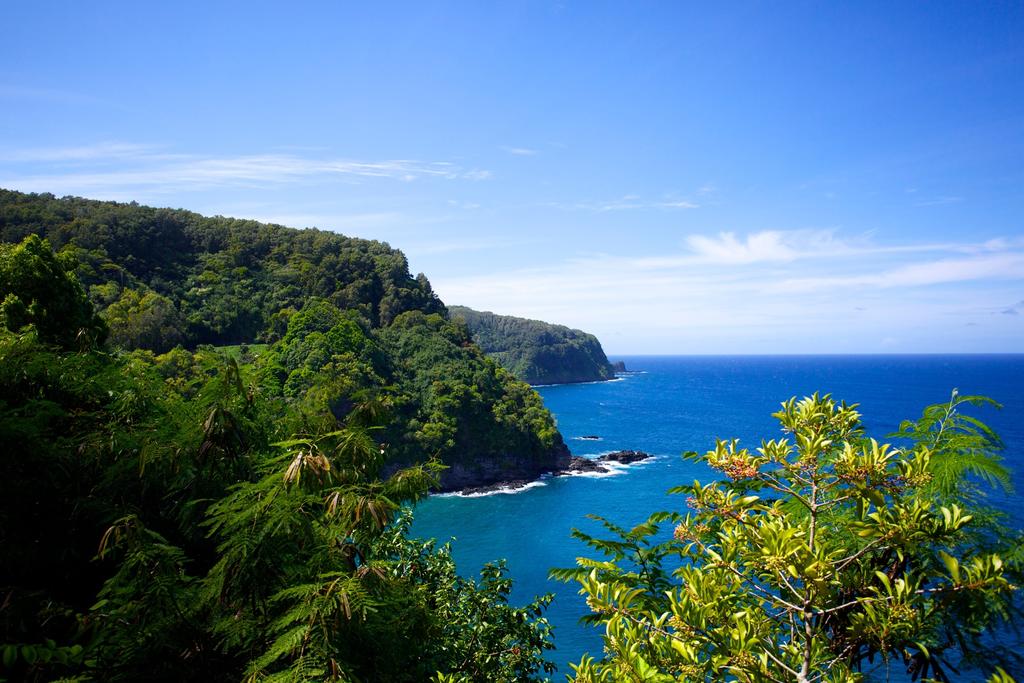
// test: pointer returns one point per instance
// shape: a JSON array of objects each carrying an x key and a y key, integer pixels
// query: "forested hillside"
[
  {"x": 163, "y": 277},
  {"x": 344, "y": 315},
  {"x": 193, "y": 517},
  {"x": 537, "y": 352}
]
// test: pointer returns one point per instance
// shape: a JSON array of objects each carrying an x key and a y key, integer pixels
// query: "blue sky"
[{"x": 674, "y": 177}]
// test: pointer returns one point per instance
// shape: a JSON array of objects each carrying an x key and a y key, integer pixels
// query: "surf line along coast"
[{"x": 574, "y": 465}]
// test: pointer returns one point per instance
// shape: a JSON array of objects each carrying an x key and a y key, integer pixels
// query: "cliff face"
[
  {"x": 535, "y": 351},
  {"x": 511, "y": 468}
]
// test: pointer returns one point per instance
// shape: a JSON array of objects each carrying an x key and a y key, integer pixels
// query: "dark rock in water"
[
  {"x": 618, "y": 366},
  {"x": 497, "y": 486},
  {"x": 578, "y": 464},
  {"x": 625, "y": 457},
  {"x": 591, "y": 437},
  {"x": 515, "y": 473}
]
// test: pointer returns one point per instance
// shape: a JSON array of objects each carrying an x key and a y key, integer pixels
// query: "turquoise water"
[{"x": 675, "y": 404}]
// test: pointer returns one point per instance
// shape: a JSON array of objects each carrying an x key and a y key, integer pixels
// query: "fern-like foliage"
[
  {"x": 148, "y": 608},
  {"x": 965, "y": 451}
]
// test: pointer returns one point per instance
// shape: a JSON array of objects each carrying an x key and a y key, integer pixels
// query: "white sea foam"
[
  {"x": 504, "y": 490},
  {"x": 579, "y": 384},
  {"x": 587, "y": 438},
  {"x": 652, "y": 458},
  {"x": 613, "y": 467}
]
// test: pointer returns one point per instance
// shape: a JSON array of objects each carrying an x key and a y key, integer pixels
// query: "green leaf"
[{"x": 952, "y": 565}]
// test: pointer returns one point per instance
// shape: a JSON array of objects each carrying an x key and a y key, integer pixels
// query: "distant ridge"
[{"x": 536, "y": 351}]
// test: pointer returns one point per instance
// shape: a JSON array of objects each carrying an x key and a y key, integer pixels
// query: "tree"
[
  {"x": 37, "y": 288},
  {"x": 818, "y": 553},
  {"x": 144, "y": 320}
]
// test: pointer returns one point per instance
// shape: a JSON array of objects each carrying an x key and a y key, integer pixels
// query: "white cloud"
[
  {"x": 771, "y": 291},
  {"x": 351, "y": 223},
  {"x": 103, "y": 151},
  {"x": 1008, "y": 266},
  {"x": 768, "y": 245},
  {"x": 783, "y": 246},
  {"x": 627, "y": 202},
  {"x": 521, "y": 151},
  {"x": 939, "y": 201},
  {"x": 144, "y": 169},
  {"x": 460, "y": 204},
  {"x": 14, "y": 92},
  {"x": 433, "y": 248}
]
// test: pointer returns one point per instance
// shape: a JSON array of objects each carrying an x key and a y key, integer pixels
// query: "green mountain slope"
[
  {"x": 535, "y": 351},
  {"x": 344, "y": 318},
  {"x": 211, "y": 280}
]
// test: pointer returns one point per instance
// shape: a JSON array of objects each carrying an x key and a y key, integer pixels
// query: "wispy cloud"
[
  {"x": 785, "y": 246},
  {"x": 988, "y": 267},
  {"x": 629, "y": 202},
  {"x": 448, "y": 247},
  {"x": 141, "y": 168},
  {"x": 939, "y": 201},
  {"x": 51, "y": 95},
  {"x": 99, "y": 152},
  {"x": 1015, "y": 309},
  {"x": 348, "y": 223},
  {"x": 768, "y": 245},
  {"x": 796, "y": 291},
  {"x": 521, "y": 151},
  {"x": 460, "y": 204}
]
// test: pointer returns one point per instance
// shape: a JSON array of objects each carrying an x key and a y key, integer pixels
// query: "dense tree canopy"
[{"x": 227, "y": 278}]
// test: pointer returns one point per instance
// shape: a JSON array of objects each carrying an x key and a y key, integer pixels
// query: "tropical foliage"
[
  {"x": 819, "y": 554},
  {"x": 35, "y": 290},
  {"x": 173, "y": 517}
]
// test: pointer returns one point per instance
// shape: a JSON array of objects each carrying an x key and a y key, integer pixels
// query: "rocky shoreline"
[{"x": 573, "y": 465}]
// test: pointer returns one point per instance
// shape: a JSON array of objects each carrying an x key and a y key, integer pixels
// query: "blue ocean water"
[{"x": 678, "y": 403}]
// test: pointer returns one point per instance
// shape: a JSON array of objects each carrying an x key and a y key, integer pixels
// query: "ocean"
[{"x": 667, "y": 405}]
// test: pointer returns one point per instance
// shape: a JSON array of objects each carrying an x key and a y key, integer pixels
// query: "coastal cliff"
[{"x": 537, "y": 352}]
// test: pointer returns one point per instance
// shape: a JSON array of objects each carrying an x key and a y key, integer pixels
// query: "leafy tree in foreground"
[
  {"x": 37, "y": 288},
  {"x": 819, "y": 553}
]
